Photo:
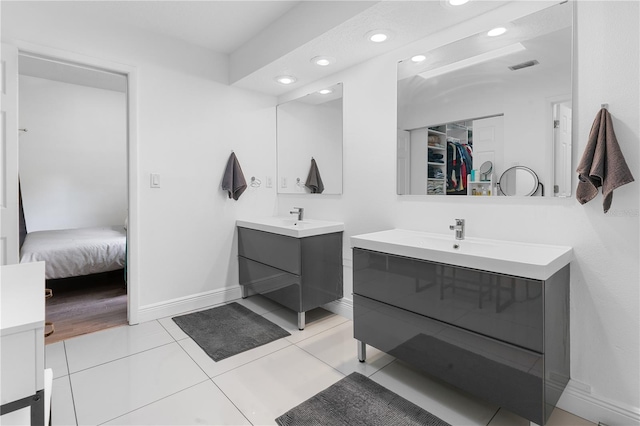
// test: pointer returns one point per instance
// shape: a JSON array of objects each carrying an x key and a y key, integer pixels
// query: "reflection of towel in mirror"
[
  {"x": 602, "y": 163},
  {"x": 314, "y": 181},
  {"x": 233, "y": 179}
]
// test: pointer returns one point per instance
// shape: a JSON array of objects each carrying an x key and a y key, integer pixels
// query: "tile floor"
[{"x": 154, "y": 374}]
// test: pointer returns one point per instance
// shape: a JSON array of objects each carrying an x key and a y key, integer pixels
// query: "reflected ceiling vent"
[{"x": 523, "y": 65}]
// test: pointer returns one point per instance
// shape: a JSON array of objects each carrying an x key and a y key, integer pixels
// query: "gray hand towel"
[
  {"x": 233, "y": 180},
  {"x": 314, "y": 181},
  {"x": 602, "y": 163}
]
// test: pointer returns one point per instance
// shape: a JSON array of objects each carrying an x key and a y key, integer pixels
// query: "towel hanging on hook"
[
  {"x": 314, "y": 181},
  {"x": 602, "y": 163},
  {"x": 233, "y": 179}
]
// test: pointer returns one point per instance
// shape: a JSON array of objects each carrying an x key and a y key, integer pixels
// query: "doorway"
[
  {"x": 73, "y": 66},
  {"x": 73, "y": 190}
]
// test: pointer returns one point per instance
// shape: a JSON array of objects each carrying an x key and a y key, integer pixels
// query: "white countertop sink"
[
  {"x": 535, "y": 261},
  {"x": 291, "y": 227}
]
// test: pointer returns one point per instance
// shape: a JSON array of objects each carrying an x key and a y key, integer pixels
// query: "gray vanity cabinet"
[
  {"x": 299, "y": 273},
  {"x": 500, "y": 337}
]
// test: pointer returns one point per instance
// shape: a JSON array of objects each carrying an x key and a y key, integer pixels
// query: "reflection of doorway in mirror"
[
  {"x": 562, "y": 148},
  {"x": 488, "y": 139},
  {"x": 404, "y": 158}
]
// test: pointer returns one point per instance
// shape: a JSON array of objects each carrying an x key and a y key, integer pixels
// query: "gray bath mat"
[
  {"x": 357, "y": 400},
  {"x": 228, "y": 330}
]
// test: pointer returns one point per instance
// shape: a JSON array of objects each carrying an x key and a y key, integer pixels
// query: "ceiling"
[{"x": 267, "y": 38}]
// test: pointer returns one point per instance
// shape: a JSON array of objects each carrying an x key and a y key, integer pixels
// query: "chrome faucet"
[
  {"x": 299, "y": 211},
  {"x": 459, "y": 228}
]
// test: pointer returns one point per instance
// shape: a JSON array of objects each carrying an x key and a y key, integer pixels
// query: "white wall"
[
  {"x": 73, "y": 159},
  {"x": 310, "y": 130},
  {"x": 605, "y": 298},
  {"x": 189, "y": 120}
]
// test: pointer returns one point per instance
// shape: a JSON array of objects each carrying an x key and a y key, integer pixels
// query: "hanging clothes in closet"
[{"x": 459, "y": 165}]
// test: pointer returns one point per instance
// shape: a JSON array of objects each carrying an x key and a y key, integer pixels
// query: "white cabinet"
[
  {"x": 480, "y": 187},
  {"x": 22, "y": 332}
]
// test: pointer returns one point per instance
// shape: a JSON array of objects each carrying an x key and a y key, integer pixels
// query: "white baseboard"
[
  {"x": 577, "y": 399},
  {"x": 185, "y": 304},
  {"x": 342, "y": 307}
]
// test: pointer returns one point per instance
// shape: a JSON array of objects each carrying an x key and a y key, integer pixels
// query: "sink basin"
[
  {"x": 291, "y": 227},
  {"x": 535, "y": 261}
]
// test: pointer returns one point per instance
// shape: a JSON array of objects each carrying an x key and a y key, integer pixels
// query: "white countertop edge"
[
  {"x": 324, "y": 227},
  {"x": 514, "y": 268}
]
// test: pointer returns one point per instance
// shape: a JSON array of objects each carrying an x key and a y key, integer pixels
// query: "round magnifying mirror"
[
  {"x": 518, "y": 181},
  {"x": 485, "y": 169}
]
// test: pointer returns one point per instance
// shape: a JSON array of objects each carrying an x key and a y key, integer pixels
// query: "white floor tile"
[
  {"x": 438, "y": 398},
  {"x": 213, "y": 368},
  {"x": 97, "y": 348},
  {"x": 172, "y": 328},
  {"x": 272, "y": 385},
  {"x": 558, "y": 418},
  {"x": 56, "y": 359},
  {"x": 62, "y": 410},
  {"x": 115, "y": 388},
  {"x": 338, "y": 348},
  {"x": 317, "y": 321},
  {"x": 259, "y": 304},
  {"x": 202, "y": 404}
]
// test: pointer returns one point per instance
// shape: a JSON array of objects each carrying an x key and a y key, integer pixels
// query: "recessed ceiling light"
[
  {"x": 325, "y": 91},
  {"x": 323, "y": 61},
  {"x": 418, "y": 58},
  {"x": 286, "y": 79},
  {"x": 497, "y": 31},
  {"x": 457, "y": 2},
  {"x": 378, "y": 36}
]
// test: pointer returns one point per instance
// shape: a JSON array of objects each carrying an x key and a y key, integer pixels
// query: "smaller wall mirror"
[{"x": 310, "y": 128}]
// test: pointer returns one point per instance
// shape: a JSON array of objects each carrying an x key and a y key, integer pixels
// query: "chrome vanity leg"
[
  {"x": 300, "y": 320},
  {"x": 362, "y": 351},
  {"x": 245, "y": 292}
]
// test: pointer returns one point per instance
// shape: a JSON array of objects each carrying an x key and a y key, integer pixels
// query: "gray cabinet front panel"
[
  {"x": 502, "y": 307},
  {"x": 502, "y": 374},
  {"x": 279, "y": 251},
  {"x": 321, "y": 269}
]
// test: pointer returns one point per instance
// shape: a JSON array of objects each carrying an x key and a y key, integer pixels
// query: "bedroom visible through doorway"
[{"x": 73, "y": 173}]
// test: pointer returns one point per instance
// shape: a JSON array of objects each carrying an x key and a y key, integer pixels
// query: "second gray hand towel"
[{"x": 314, "y": 181}]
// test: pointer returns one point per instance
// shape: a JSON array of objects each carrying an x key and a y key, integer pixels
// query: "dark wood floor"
[{"x": 82, "y": 305}]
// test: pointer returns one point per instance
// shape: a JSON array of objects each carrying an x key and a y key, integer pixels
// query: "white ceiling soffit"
[
  {"x": 217, "y": 25},
  {"x": 72, "y": 74},
  {"x": 408, "y": 21}
]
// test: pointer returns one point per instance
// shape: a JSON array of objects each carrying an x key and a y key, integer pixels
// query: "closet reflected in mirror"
[
  {"x": 309, "y": 143},
  {"x": 505, "y": 100}
]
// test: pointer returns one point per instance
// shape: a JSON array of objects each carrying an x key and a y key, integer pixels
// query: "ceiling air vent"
[{"x": 523, "y": 65}]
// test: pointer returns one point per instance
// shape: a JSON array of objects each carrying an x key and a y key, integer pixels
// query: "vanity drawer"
[
  {"x": 499, "y": 306},
  {"x": 498, "y": 372},
  {"x": 279, "y": 251}
]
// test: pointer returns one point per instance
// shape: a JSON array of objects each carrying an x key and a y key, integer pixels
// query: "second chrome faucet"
[
  {"x": 299, "y": 211},
  {"x": 459, "y": 228}
]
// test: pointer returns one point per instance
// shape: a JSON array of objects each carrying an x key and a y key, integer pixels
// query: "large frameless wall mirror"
[
  {"x": 309, "y": 142},
  {"x": 490, "y": 103}
]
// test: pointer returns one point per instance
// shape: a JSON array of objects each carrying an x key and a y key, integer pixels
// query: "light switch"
[
  {"x": 283, "y": 183},
  {"x": 269, "y": 183},
  {"x": 155, "y": 180}
]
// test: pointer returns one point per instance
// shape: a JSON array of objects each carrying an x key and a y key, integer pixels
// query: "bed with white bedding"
[{"x": 76, "y": 252}]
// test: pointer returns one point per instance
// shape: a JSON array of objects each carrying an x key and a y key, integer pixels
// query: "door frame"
[{"x": 131, "y": 72}]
